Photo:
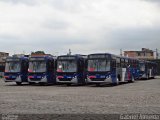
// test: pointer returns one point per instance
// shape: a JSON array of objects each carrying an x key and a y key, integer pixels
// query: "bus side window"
[
  {"x": 113, "y": 63},
  {"x": 122, "y": 62},
  {"x": 135, "y": 64},
  {"x": 118, "y": 62},
  {"x": 130, "y": 63},
  {"x": 126, "y": 63}
]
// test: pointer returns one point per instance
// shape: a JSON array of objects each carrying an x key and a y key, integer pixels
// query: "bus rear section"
[
  {"x": 127, "y": 69},
  {"x": 41, "y": 70},
  {"x": 71, "y": 69},
  {"x": 147, "y": 69},
  {"x": 152, "y": 69},
  {"x": 16, "y": 69},
  {"x": 107, "y": 68}
]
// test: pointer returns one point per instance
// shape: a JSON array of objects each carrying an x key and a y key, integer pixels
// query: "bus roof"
[
  {"x": 43, "y": 56},
  {"x": 72, "y": 56}
]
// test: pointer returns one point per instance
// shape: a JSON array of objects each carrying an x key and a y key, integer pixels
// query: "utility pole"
[
  {"x": 24, "y": 52},
  {"x": 69, "y": 52},
  {"x": 121, "y": 54},
  {"x": 156, "y": 53}
]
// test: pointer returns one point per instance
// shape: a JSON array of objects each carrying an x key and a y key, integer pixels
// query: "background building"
[
  {"x": 143, "y": 54},
  {"x": 3, "y": 55}
]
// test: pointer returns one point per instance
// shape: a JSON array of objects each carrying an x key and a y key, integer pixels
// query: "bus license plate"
[{"x": 102, "y": 77}]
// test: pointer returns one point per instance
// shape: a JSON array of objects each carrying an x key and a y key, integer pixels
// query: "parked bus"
[
  {"x": 148, "y": 69},
  {"x": 109, "y": 68},
  {"x": 133, "y": 65},
  {"x": 2, "y": 69},
  {"x": 16, "y": 69},
  {"x": 71, "y": 69},
  {"x": 42, "y": 70}
]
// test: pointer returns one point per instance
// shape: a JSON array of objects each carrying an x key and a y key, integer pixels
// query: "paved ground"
[{"x": 139, "y": 97}]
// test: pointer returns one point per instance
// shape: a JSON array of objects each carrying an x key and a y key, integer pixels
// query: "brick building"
[
  {"x": 143, "y": 54},
  {"x": 3, "y": 55}
]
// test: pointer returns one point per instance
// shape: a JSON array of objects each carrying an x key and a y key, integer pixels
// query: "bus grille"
[
  {"x": 97, "y": 79},
  {"x": 65, "y": 79},
  {"x": 33, "y": 79}
]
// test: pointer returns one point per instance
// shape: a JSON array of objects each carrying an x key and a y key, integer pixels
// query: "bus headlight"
[{"x": 108, "y": 76}]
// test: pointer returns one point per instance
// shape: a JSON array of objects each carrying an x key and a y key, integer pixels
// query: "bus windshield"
[
  {"x": 142, "y": 66},
  {"x": 37, "y": 66},
  {"x": 98, "y": 65},
  {"x": 67, "y": 66},
  {"x": 13, "y": 66}
]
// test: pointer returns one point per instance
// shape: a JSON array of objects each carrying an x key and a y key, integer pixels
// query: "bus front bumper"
[
  {"x": 43, "y": 80},
  {"x": 72, "y": 81},
  {"x": 17, "y": 79},
  {"x": 107, "y": 80}
]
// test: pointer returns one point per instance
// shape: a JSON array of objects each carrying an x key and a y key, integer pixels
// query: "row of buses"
[{"x": 77, "y": 69}]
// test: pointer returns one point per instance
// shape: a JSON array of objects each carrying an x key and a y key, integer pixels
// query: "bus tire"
[
  {"x": 19, "y": 83},
  {"x": 84, "y": 82},
  {"x": 117, "y": 81},
  {"x": 69, "y": 84},
  {"x": 98, "y": 84},
  {"x": 42, "y": 84},
  {"x": 31, "y": 83},
  {"x": 147, "y": 76},
  {"x": 132, "y": 79}
]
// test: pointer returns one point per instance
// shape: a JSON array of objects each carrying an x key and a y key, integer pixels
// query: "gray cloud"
[
  {"x": 157, "y": 1},
  {"x": 84, "y": 26},
  {"x": 56, "y": 24},
  {"x": 135, "y": 38},
  {"x": 26, "y": 2}
]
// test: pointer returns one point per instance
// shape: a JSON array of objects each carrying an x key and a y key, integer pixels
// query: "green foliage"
[{"x": 38, "y": 52}]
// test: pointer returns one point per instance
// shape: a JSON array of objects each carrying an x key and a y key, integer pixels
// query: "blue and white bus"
[
  {"x": 2, "y": 69},
  {"x": 41, "y": 70},
  {"x": 133, "y": 65},
  {"x": 109, "y": 68},
  {"x": 16, "y": 69},
  {"x": 147, "y": 69},
  {"x": 71, "y": 69}
]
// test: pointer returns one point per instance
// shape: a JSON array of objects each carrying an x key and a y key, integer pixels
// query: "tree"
[{"x": 38, "y": 53}]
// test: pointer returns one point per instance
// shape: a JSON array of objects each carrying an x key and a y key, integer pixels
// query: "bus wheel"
[
  {"x": 117, "y": 82},
  {"x": 98, "y": 84},
  {"x": 132, "y": 79},
  {"x": 19, "y": 83},
  {"x": 42, "y": 84},
  {"x": 69, "y": 84},
  {"x": 148, "y": 77},
  {"x": 31, "y": 83}
]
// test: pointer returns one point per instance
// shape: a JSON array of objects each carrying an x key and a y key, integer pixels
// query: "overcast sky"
[{"x": 84, "y": 26}]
